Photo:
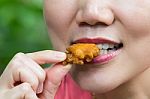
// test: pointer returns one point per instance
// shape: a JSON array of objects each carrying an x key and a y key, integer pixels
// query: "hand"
[
  {"x": 54, "y": 76},
  {"x": 23, "y": 78}
]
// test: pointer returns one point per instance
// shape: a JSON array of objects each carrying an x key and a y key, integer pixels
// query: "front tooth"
[
  {"x": 99, "y": 46},
  {"x": 105, "y": 46}
]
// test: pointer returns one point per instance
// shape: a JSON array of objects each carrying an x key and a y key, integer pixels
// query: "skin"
[
  {"x": 124, "y": 77},
  {"x": 24, "y": 78},
  {"x": 126, "y": 21}
]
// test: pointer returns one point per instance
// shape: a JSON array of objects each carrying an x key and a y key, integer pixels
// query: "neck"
[{"x": 137, "y": 88}]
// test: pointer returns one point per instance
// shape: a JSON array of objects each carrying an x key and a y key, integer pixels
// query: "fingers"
[
  {"x": 26, "y": 75},
  {"x": 22, "y": 91},
  {"x": 37, "y": 70},
  {"x": 42, "y": 57},
  {"x": 47, "y": 56},
  {"x": 26, "y": 69},
  {"x": 55, "y": 74}
]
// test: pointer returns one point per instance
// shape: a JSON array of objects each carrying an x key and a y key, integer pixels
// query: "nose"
[{"x": 94, "y": 12}]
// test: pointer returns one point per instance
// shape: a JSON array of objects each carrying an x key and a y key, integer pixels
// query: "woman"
[{"x": 120, "y": 73}]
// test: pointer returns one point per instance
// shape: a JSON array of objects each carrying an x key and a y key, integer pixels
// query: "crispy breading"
[{"x": 81, "y": 53}]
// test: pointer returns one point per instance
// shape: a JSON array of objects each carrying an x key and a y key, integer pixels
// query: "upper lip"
[{"x": 98, "y": 40}]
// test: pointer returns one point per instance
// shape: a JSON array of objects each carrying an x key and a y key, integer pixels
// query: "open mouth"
[
  {"x": 108, "y": 49},
  {"x": 108, "y": 52}
]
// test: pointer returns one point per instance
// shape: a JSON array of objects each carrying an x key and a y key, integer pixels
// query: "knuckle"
[
  {"x": 35, "y": 83},
  {"x": 15, "y": 63},
  {"x": 19, "y": 55},
  {"x": 17, "y": 60},
  {"x": 19, "y": 70},
  {"x": 42, "y": 75},
  {"x": 25, "y": 87},
  {"x": 31, "y": 81}
]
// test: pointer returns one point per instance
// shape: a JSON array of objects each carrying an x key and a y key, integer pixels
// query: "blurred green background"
[{"x": 22, "y": 29}]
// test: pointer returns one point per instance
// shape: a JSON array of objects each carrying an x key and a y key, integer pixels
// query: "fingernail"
[
  {"x": 68, "y": 66},
  {"x": 60, "y": 55},
  {"x": 40, "y": 88}
]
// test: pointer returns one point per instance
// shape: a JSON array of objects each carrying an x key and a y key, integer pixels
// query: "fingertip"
[
  {"x": 68, "y": 66},
  {"x": 59, "y": 56},
  {"x": 47, "y": 56},
  {"x": 40, "y": 88},
  {"x": 56, "y": 54}
]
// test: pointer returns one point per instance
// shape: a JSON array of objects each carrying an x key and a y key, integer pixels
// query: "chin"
[
  {"x": 98, "y": 87},
  {"x": 96, "y": 82},
  {"x": 101, "y": 79}
]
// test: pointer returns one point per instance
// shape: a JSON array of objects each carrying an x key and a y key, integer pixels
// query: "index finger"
[{"x": 47, "y": 56}]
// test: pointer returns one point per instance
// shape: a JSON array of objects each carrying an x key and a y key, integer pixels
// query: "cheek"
[
  {"x": 139, "y": 52},
  {"x": 59, "y": 14},
  {"x": 134, "y": 16}
]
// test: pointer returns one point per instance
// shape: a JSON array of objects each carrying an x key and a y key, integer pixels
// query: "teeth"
[
  {"x": 109, "y": 51},
  {"x": 111, "y": 45},
  {"x": 99, "y": 46},
  {"x": 105, "y": 46},
  {"x": 103, "y": 52}
]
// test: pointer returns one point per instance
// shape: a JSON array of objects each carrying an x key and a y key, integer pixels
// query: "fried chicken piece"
[{"x": 81, "y": 53}]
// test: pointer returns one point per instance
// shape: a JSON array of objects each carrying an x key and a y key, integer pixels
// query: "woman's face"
[{"x": 103, "y": 21}]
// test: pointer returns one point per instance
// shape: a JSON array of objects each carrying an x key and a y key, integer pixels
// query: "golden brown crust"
[{"x": 81, "y": 53}]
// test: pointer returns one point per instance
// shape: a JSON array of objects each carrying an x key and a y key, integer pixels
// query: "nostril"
[
  {"x": 82, "y": 24},
  {"x": 85, "y": 24}
]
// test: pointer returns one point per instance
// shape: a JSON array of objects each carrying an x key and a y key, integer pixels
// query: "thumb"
[
  {"x": 54, "y": 74},
  {"x": 57, "y": 72}
]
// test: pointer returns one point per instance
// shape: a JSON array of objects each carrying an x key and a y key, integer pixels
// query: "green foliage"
[{"x": 22, "y": 29}]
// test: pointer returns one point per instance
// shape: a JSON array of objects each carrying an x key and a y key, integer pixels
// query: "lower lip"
[{"x": 102, "y": 59}]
